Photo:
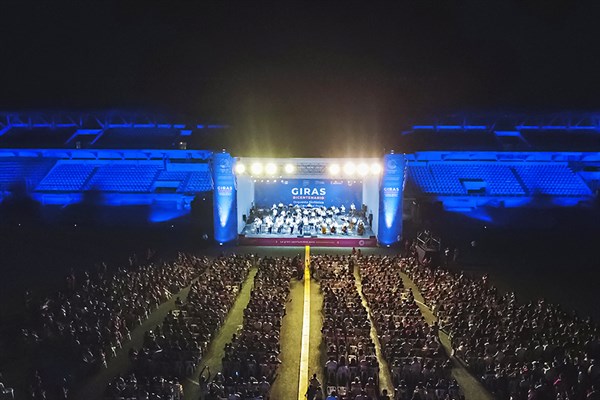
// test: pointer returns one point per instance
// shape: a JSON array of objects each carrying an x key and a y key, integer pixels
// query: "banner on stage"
[{"x": 316, "y": 192}]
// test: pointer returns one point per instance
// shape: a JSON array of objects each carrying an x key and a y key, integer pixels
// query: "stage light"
[
  {"x": 271, "y": 169},
  {"x": 289, "y": 168},
  {"x": 375, "y": 169},
  {"x": 349, "y": 168},
  {"x": 363, "y": 169},
  {"x": 240, "y": 168},
  {"x": 256, "y": 169},
  {"x": 334, "y": 169}
]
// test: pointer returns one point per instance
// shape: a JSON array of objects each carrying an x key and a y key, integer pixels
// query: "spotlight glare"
[
  {"x": 271, "y": 169},
  {"x": 240, "y": 168},
  {"x": 363, "y": 169},
  {"x": 289, "y": 168},
  {"x": 375, "y": 169},
  {"x": 349, "y": 168},
  {"x": 334, "y": 169},
  {"x": 256, "y": 169}
]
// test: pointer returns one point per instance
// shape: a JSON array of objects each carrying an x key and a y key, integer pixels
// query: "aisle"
[
  {"x": 214, "y": 355},
  {"x": 286, "y": 384},
  {"x": 472, "y": 388},
  {"x": 318, "y": 350},
  {"x": 385, "y": 378}
]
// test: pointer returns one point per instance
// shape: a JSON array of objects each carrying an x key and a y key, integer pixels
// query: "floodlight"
[
  {"x": 334, "y": 169},
  {"x": 271, "y": 169},
  {"x": 363, "y": 169},
  {"x": 256, "y": 169},
  {"x": 289, "y": 168},
  {"x": 375, "y": 169},
  {"x": 240, "y": 168},
  {"x": 349, "y": 168}
]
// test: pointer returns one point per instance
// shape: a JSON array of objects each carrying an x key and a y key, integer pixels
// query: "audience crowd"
[
  {"x": 172, "y": 351},
  {"x": 94, "y": 317},
  {"x": 251, "y": 359},
  {"x": 418, "y": 363},
  {"x": 521, "y": 351},
  {"x": 86, "y": 323},
  {"x": 352, "y": 369}
]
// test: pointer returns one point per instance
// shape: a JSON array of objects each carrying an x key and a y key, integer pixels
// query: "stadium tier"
[
  {"x": 145, "y": 161},
  {"x": 199, "y": 181},
  {"x": 23, "y": 170},
  {"x": 123, "y": 177},
  {"x": 451, "y": 178},
  {"x": 495, "y": 178},
  {"x": 120, "y": 177},
  {"x": 551, "y": 179},
  {"x": 69, "y": 177}
]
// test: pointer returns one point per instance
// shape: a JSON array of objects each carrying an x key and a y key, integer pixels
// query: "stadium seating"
[
  {"x": 174, "y": 176},
  {"x": 124, "y": 177},
  {"x": 496, "y": 178},
  {"x": 420, "y": 176},
  {"x": 27, "y": 170},
  {"x": 66, "y": 177},
  {"x": 199, "y": 181},
  {"x": 449, "y": 178},
  {"x": 551, "y": 178}
]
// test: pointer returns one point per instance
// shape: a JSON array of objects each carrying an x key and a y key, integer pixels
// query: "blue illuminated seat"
[
  {"x": 199, "y": 181},
  {"x": 23, "y": 170},
  {"x": 552, "y": 178},
  {"x": 124, "y": 177},
  {"x": 66, "y": 177}
]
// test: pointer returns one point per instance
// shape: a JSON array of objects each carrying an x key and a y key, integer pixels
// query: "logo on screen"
[
  {"x": 309, "y": 192},
  {"x": 224, "y": 190}
]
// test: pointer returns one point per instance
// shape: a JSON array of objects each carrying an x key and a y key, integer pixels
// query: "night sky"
[{"x": 304, "y": 78}]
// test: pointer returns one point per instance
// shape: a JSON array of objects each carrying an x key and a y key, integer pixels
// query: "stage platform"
[
  {"x": 316, "y": 241},
  {"x": 249, "y": 237}
]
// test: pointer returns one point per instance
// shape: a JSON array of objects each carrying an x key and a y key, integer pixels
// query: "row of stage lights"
[{"x": 272, "y": 169}]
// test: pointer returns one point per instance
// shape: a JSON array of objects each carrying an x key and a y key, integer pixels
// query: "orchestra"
[{"x": 299, "y": 220}]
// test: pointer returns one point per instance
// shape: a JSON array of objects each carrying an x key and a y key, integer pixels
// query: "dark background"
[{"x": 302, "y": 78}]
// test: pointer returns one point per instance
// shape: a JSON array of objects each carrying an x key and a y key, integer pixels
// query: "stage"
[
  {"x": 315, "y": 233},
  {"x": 324, "y": 202},
  {"x": 317, "y": 241}
]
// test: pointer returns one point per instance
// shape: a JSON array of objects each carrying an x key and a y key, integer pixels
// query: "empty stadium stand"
[
  {"x": 121, "y": 177},
  {"x": 420, "y": 178},
  {"x": 142, "y": 159},
  {"x": 495, "y": 178},
  {"x": 552, "y": 178},
  {"x": 124, "y": 177},
  {"x": 498, "y": 178},
  {"x": 23, "y": 170},
  {"x": 66, "y": 177},
  {"x": 199, "y": 181}
]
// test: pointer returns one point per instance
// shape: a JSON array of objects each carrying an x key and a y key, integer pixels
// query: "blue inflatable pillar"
[
  {"x": 224, "y": 198},
  {"x": 390, "y": 199}
]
